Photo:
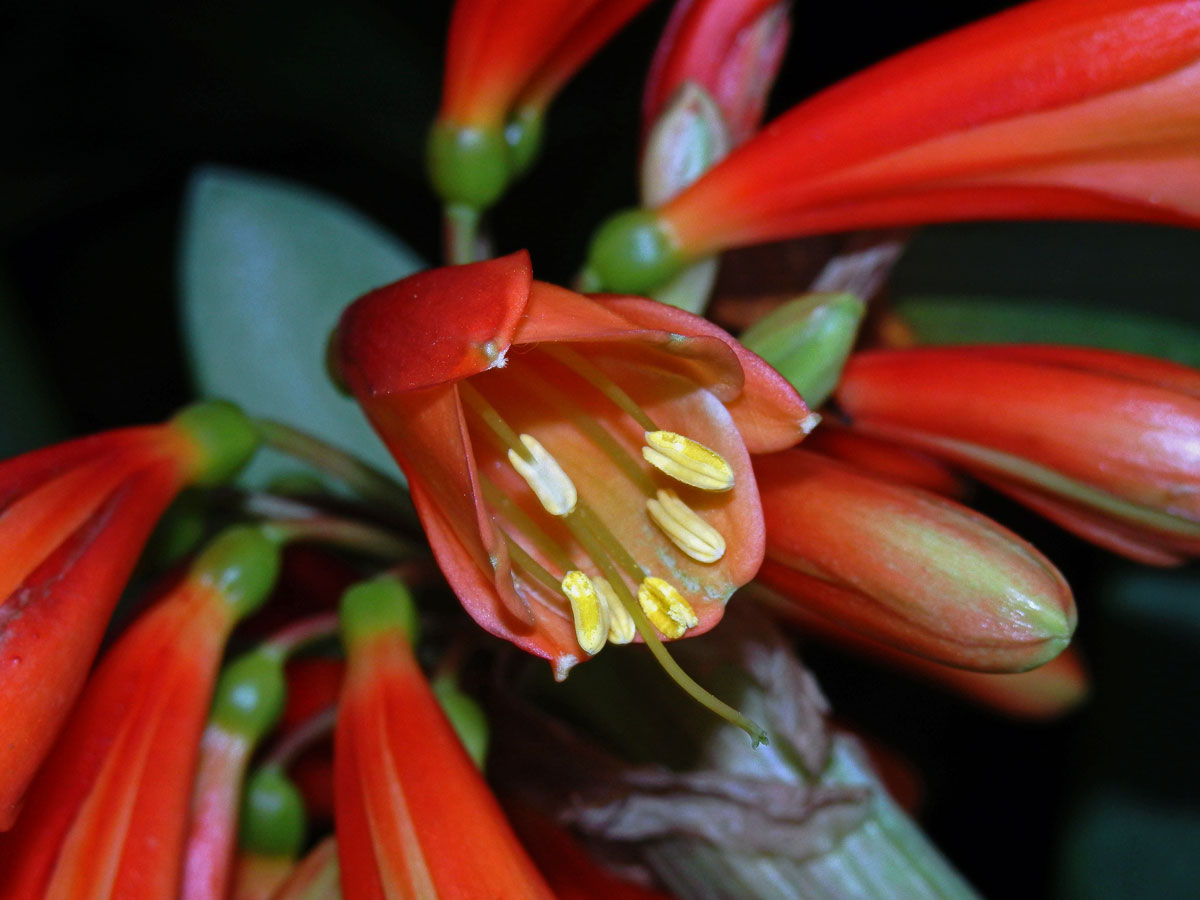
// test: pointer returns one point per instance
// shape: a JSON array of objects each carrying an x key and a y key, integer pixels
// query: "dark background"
[{"x": 109, "y": 107}]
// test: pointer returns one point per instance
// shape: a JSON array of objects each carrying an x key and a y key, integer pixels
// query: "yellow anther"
[
  {"x": 685, "y": 528},
  {"x": 589, "y": 609},
  {"x": 688, "y": 461},
  {"x": 620, "y": 623},
  {"x": 665, "y": 607},
  {"x": 545, "y": 477}
]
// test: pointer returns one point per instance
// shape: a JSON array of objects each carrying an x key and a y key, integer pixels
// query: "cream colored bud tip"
[
  {"x": 688, "y": 461},
  {"x": 666, "y": 608},
  {"x": 589, "y": 610},
  {"x": 545, "y": 477},
  {"x": 684, "y": 527}
]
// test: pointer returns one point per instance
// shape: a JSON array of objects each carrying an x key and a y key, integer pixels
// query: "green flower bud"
[
  {"x": 470, "y": 724},
  {"x": 273, "y": 819},
  {"x": 631, "y": 253},
  {"x": 468, "y": 165},
  {"x": 241, "y": 562},
  {"x": 380, "y": 605},
  {"x": 523, "y": 134},
  {"x": 225, "y": 436},
  {"x": 250, "y": 695},
  {"x": 808, "y": 341}
]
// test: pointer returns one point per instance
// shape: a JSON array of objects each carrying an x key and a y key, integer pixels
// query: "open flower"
[
  {"x": 73, "y": 520},
  {"x": 1081, "y": 109},
  {"x": 908, "y": 568},
  {"x": 414, "y": 816},
  {"x": 568, "y": 454},
  {"x": 107, "y": 813},
  {"x": 1105, "y": 444},
  {"x": 505, "y": 62}
]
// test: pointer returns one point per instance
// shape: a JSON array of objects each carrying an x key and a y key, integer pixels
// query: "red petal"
[{"x": 433, "y": 327}]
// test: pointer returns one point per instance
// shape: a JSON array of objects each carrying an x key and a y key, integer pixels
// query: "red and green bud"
[
  {"x": 1061, "y": 109},
  {"x": 731, "y": 50},
  {"x": 1106, "y": 444},
  {"x": 73, "y": 520},
  {"x": 403, "y": 781},
  {"x": 908, "y": 568},
  {"x": 109, "y": 808}
]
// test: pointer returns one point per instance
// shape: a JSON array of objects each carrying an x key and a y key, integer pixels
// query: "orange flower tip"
[
  {"x": 809, "y": 423},
  {"x": 273, "y": 820},
  {"x": 688, "y": 461},
  {"x": 224, "y": 437},
  {"x": 382, "y": 605},
  {"x": 242, "y": 564},
  {"x": 633, "y": 252},
  {"x": 808, "y": 340},
  {"x": 468, "y": 165},
  {"x": 250, "y": 695}
]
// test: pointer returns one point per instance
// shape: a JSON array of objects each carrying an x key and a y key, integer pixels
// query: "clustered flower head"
[{"x": 596, "y": 469}]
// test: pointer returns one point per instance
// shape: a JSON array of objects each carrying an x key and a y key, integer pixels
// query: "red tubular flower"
[
  {"x": 908, "y": 568},
  {"x": 731, "y": 49},
  {"x": 505, "y": 62},
  {"x": 524, "y": 416},
  {"x": 1081, "y": 109},
  {"x": 73, "y": 520},
  {"x": 1105, "y": 444},
  {"x": 107, "y": 813},
  {"x": 414, "y": 817},
  {"x": 886, "y": 459}
]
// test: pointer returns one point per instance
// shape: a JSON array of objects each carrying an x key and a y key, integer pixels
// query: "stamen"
[
  {"x": 545, "y": 477},
  {"x": 605, "y": 385},
  {"x": 688, "y": 461},
  {"x": 685, "y": 528},
  {"x": 529, "y": 566},
  {"x": 590, "y": 611},
  {"x": 620, "y": 624},
  {"x": 508, "y": 509},
  {"x": 665, "y": 607}
]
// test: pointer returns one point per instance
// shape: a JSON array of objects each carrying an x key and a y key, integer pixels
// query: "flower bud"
[
  {"x": 381, "y": 605},
  {"x": 250, "y": 694},
  {"x": 273, "y": 821},
  {"x": 243, "y": 564},
  {"x": 908, "y": 568},
  {"x": 224, "y": 436},
  {"x": 808, "y": 340}
]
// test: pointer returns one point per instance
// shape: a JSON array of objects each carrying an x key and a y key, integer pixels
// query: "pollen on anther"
[
  {"x": 589, "y": 609},
  {"x": 684, "y": 527},
  {"x": 545, "y": 477},
  {"x": 688, "y": 461},
  {"x": 620, "y": 624},
  {"x": 665, "y": 607}
]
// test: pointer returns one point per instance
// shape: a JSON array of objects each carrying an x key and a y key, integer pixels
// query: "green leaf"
[
  {"x": 981, "y": 320},
  {"x": 266, "y": 269}
]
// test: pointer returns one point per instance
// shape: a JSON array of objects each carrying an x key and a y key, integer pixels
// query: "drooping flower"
[
  {"x": 730, "y": 49},
  {"x": 1105, "y": 444},
  {"x": 414, "y": 816},
  {"x": 567, "y": 454},
  {"x": 108, "y": 811},
  {"x": 505, "y": 62},
  {"x": 908, "y": 568},
  {"x": 73, "y": 520},
  {"x": 1080, "y": 109}
]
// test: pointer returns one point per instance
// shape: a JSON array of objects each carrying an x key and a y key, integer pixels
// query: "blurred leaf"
[
  {"x": 29, "y": 414},
  {"x": 1145, "y": 268},
  {"x": 267, "y": 268},
  {"x": 972, "y": 320}
]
